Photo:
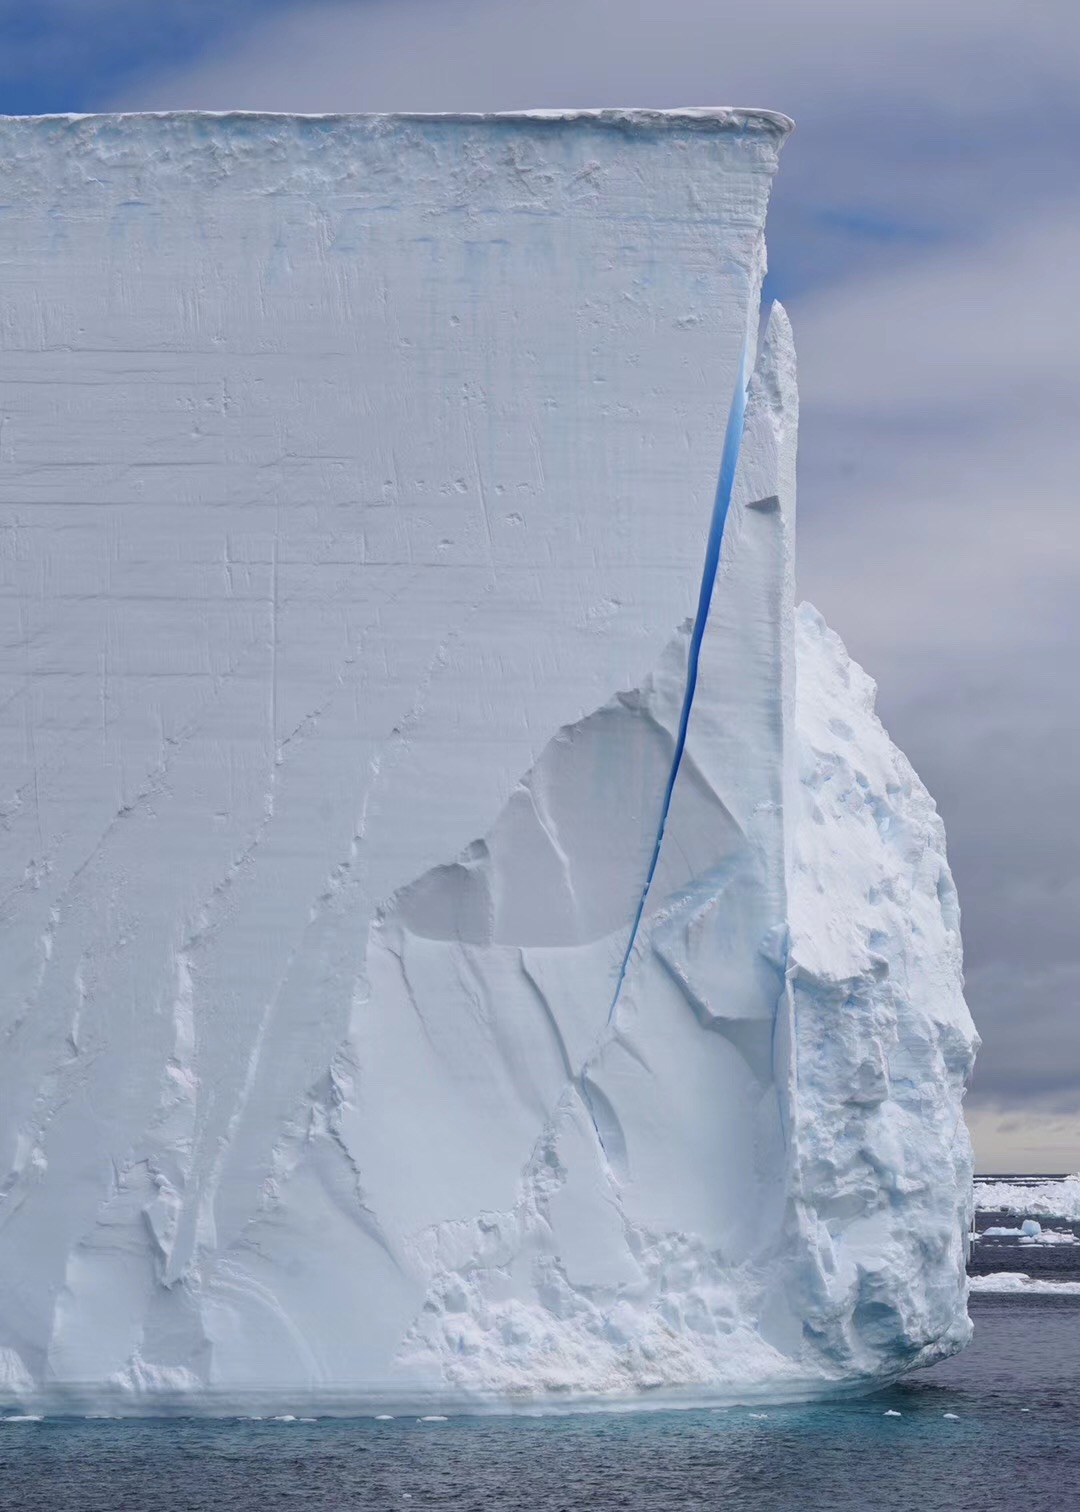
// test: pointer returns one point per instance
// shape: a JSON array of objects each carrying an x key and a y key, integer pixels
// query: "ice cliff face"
[{"x": 360, "y": 1046}]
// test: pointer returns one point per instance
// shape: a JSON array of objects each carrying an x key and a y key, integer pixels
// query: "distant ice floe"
[
  {"x": 1017, "y": 1281},
  {"x": 1049, "y": 1199}
]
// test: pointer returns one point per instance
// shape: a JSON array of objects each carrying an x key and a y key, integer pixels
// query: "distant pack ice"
[{"x": 355, "y": 482}]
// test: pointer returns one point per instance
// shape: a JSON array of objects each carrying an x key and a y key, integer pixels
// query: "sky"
[{"x": 925, "y": 237}]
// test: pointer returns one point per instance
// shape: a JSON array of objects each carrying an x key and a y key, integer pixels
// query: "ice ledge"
[{"x": 701, "y": 117}]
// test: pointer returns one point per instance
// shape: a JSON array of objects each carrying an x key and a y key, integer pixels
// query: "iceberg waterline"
[{"x": 360, "y": 472}]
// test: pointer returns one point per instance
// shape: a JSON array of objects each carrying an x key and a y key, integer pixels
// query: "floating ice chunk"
[
  {"x": 952, "y": 1417},
  {"x": 999, "y": 1281},
  {"x": 1031, "y": 1233},
  {"x": 1017, "y": 1281},
  {"x": 892, "y": 1412}
]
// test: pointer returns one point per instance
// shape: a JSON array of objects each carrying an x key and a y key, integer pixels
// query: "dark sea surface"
[
  {"x": 1042, "y": 1262},
  {"x": 1013, "y": 1443}
]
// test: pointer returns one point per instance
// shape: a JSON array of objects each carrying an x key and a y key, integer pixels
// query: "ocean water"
[
  {"x": 1043, "y": 1262},
  {"x": 1014, "y": 1443},
  {"x": 1011, "y": 1440}
]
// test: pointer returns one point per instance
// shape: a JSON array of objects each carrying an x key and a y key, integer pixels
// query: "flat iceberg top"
[
  {"x": 705, "y": 117},
  {"x": 661, "y": 168}
]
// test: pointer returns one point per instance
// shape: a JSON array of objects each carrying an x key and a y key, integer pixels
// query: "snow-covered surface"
[
  {"x": 1048, "y": 1199},
  {"x": 1012, "y": 1282},
  {"x": 357, "y": 474}
]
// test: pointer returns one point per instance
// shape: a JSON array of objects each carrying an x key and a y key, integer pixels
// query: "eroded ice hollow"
[{"x": 357, "y": 475}]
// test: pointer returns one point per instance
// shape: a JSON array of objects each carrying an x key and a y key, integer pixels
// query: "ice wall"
[{"x": 356, "y": 479}]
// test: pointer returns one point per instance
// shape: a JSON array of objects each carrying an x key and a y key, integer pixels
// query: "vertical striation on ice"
[{"x": 357, "y": 474}]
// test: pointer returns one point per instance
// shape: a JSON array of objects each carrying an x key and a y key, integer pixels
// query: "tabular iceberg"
[{"x": 441, "y": 963}]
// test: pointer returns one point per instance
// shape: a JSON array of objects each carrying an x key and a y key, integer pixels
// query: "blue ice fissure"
[{"x": 725, "y": 485}]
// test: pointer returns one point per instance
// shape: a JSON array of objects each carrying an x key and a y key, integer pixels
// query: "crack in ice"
[{"x": 729, "y": 461}]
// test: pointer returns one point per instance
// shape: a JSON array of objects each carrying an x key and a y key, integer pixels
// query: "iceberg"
[{"x": 461, "y": 952}]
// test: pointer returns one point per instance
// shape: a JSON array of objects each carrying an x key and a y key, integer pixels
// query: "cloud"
[
  {"x": 1037, "y": 1142},
  {"x": 62, "y": 55},
  {"x": 1032, "y": 1055},
  {"x": 504, "y": 54},
  {"x": 924, "y": 231},
  {"x": 941, "y": 447}
]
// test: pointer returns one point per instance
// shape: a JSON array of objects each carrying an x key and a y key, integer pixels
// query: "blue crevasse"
[{"x": 729, "y": 462}]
